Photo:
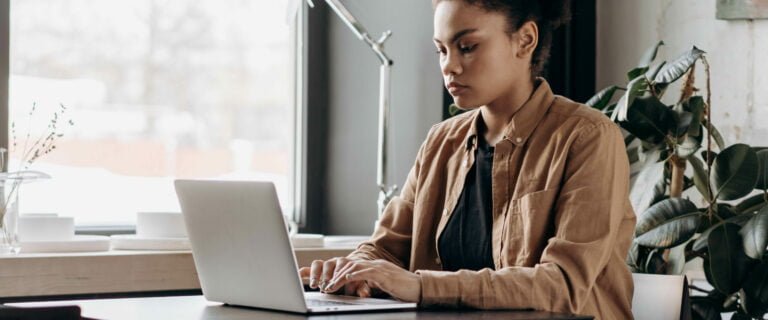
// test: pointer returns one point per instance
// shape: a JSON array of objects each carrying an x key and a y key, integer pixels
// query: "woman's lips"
[{"x": 456, "y": 89}]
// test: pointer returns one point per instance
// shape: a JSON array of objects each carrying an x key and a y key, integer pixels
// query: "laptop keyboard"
[{"x": 327, "y": 303}]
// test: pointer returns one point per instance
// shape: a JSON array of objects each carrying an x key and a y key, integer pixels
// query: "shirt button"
[
  {"x": 437, "y": 260},
  {"x": 518, "y": 139},
  {"x": 445, "y": 212}
]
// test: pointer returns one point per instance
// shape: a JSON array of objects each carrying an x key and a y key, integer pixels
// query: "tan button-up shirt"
[{"x": 562, "y": 220}]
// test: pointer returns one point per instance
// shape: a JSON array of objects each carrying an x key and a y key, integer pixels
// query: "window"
[{"x": 157, "y": 90}]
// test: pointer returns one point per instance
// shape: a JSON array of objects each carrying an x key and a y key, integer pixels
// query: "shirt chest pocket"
[{"x": 529, "y": 225}]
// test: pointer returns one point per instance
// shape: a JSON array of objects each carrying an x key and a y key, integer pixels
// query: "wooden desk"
[
  {"x": 196, "y": 307},
  {"x": 27, "y": 277}
]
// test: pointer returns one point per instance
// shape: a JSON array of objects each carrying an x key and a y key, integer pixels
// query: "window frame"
[{"x": 299, "y": 64}]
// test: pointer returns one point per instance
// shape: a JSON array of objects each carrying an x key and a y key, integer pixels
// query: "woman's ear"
[{"x": 527, "y": 39}]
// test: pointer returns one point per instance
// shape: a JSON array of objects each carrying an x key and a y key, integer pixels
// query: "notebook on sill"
[{"x": 243, "y": 254}]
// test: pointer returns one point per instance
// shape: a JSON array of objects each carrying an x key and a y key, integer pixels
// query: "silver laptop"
[{"x": 243, "y": 254}]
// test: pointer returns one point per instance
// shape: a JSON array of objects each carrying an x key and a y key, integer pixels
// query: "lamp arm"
[{"x": 386, "y": 192}]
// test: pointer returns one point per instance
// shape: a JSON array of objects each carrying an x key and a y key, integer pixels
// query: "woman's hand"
[
  {"x": 321, "y": 272},
  {"x": 379, "y": 274}
]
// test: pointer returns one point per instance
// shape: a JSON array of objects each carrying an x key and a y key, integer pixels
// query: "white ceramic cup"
[
  {"x": 45, "y": 227},
  {"x": 160, "y": 225}
]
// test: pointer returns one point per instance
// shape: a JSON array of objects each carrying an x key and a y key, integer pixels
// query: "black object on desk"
[{"x": 40, "y": 313}]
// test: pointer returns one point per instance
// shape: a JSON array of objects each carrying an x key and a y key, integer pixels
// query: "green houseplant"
[{"x": 729, "y": 229}]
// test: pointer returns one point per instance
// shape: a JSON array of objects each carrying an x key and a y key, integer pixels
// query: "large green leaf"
[
  {"x": 756, "y": 290},
  {"x": 636, "y": 72},
  {"x": 648, "y": 186},
  {"x": 649, "y": 120},
  {"x": 678, "y": 67},
  {"x": 661, "y": 212},
  {"x": 601, "y": 100},
  {"x": 695, "y": 105},
  {"x": 667, "y": 223},
  {"x": 722, "y": 211},
  {"x": 751, "y": 204},
  {"x": 654, "y": 70},
  {"x": 688, "y": 146},
  {"x": 725, "y": 211},
  {"x": 635, "y": 89},
  {"x": 672, "y": 232},
  {"x": 715, "y": 134},
  {"x": 733, "y": 173},
  {"x": 649, "y": 55},
  {"x": 701, "y": 242},
  {"x": 727, "y": 261},
  {"x": 683, "y": 121},
  {"x": 700, "y": 177},
  {"x": 755, "y": 235},
  {"x": 762, "y": 170}
]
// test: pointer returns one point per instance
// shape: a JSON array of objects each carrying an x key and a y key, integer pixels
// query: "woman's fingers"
[
  {"x": 353, "y": 274},
  {"x": 351, "y": 288},
  {"x": 328, "y": 267},
  {"x": 363, "y": 290},
  {"x": 340, "y": 263},
  {"x": 316, "y": 269},
  {"x": 345, "y": 269}
]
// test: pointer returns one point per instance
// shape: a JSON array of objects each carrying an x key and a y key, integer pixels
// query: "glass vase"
[
  {"x": 10, "y": 187},
  {"x": 9, "y": 216}
]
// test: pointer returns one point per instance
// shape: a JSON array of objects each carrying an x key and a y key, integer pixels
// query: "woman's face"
[{"x": 480, "y": 61}]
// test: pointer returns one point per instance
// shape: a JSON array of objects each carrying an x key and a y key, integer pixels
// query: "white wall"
[
  {"x": 737, "y": 51},
  {"x": 353, "y": 104}
]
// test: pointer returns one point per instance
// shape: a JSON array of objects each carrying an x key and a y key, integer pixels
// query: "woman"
[{"x": 520, "y": 203}]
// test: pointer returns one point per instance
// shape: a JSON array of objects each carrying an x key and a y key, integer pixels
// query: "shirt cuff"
[{"x": 439, "y": 288}]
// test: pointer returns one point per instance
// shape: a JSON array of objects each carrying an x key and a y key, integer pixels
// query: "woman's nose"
[{"x": 450, "y": 64}]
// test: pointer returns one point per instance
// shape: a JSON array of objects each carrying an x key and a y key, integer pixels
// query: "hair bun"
[{"x": 555, "y": 12}]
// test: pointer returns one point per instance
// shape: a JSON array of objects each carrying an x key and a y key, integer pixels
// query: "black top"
[{"x": 466, "y": 240}]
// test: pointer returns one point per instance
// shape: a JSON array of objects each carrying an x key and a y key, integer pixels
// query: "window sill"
[{"x": 26, "y": 276}]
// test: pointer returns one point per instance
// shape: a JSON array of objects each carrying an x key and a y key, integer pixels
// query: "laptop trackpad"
[{"x": 352, "y": 300}]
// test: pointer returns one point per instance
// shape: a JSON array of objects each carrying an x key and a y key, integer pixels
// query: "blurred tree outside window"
[{"x": 158, "y": 90}]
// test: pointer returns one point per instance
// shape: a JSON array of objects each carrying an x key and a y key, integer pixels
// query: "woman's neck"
[{"x": 499, "y": 112}]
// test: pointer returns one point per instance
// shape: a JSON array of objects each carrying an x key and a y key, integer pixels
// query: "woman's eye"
[{"x": 467, "y": 49}]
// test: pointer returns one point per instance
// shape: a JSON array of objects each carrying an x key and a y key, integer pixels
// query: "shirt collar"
[{"x": 524, "y": 121}]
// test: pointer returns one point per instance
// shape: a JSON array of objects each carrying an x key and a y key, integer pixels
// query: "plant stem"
[
  {"x": 688, "y": 84},
  {"x": 677, "y": 181},
  {"x": 29, "y": 130},
  {"x": 708, "y": 113}
]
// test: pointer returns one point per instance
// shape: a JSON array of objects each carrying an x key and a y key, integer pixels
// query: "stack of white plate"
[
  {"x": 42, "y": 233},
  {"x": 307, "y": 240},
  {"x": 344, "y": 241},
  {"x": 155, "y": 231}
]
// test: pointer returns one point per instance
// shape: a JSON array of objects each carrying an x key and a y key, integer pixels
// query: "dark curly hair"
[{"x": 547, "y": 14}]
